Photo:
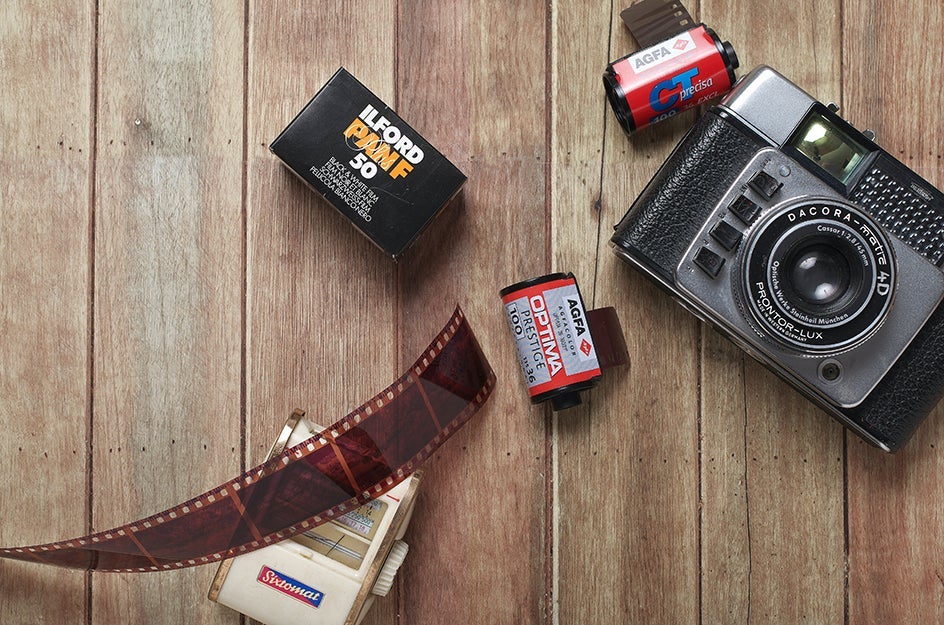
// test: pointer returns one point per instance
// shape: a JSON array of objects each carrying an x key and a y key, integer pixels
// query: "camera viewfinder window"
[{"x": 829, "y": 147}]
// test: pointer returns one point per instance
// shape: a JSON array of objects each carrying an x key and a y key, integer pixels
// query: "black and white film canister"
[{"x": 556, "y": 350}]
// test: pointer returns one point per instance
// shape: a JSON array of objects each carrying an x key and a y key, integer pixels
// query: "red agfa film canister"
[{"x": 683, "y": 71}]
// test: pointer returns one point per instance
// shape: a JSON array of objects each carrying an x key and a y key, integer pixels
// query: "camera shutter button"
[
  {"x": 765, "y": 184},
  {"x": 709, "y": 262},
  {"x": 726, "y": 234}
]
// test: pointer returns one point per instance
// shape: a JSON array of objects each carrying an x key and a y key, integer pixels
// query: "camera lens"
[
  {"x": 821, "y": 275},
  {"x": 818, "y": 276}
]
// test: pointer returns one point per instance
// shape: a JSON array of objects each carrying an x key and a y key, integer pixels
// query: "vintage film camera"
[{"x": 807, "y": 245}]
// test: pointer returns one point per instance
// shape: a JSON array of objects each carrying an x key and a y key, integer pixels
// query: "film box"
[{"x": 370, "y": 164}]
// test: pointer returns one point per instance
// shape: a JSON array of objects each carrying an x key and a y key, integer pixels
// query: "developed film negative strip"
[
  {"x": 357, "y": 459},
  {"x": 652, "y": 21}
]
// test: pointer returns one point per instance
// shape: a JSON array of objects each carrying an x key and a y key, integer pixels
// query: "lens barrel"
[{"x": 818, "y": 276}]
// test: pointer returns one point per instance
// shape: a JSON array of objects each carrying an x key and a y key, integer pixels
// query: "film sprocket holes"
[
  {"x": 807, "y": 245},
  {"x": 369, "y": 163}
]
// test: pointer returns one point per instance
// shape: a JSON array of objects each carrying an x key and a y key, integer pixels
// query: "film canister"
[
  {"x": 676, "y": 74},
  {"x": 562, "y": 348}
]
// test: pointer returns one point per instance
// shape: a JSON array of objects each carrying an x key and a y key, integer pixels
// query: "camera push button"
[
  {"x": 708, "y": 261},
  {"x": 765, "y": 184},
  {"x": 745, "y": 209},
  {"x": 726, "y": 234}
]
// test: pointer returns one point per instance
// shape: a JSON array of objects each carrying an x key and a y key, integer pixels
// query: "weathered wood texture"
[
  {"x": 627, "y": 544},
  {"x": 169, "y": 292},
  {"x": 461, "y": 71},
  {"x": 168, "y": 249},
  {"x": 45, "y": 164},
  {"x": 895, "y": 515},
  {"x": 772, "y": 465},
  {"x": 320, "y": 299}
]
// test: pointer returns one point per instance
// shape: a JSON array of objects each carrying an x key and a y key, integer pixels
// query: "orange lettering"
[
  {"x": 401, "y": 170},
  {"x": 357, "y": 128},
  {"x": 380, "y": 153}
]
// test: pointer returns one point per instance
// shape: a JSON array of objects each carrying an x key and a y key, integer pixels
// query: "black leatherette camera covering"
[
  {"x": 672, "y": 208},
  {"x": 910, "y": 389}
]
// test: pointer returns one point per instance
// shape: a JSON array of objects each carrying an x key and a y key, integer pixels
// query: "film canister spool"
[
  {"x": 562, "y": 348},
  {"x": 681, "y": 72}
]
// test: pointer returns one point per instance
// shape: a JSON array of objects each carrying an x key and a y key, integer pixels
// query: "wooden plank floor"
[{"x": 168, "y": 293}]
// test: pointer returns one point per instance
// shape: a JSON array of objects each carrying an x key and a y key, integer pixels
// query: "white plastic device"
[{"x": 329, "y": 575}]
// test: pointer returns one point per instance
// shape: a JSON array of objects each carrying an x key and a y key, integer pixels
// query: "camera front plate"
[{"x": 710, "y": 277}]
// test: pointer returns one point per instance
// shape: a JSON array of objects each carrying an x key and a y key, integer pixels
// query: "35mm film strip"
[{"x": 360, "y": 457}]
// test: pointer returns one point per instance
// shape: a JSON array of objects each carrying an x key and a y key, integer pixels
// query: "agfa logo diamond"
[
  {"x": 586, "y": 347},
  {"x": 681, "y": 44}
]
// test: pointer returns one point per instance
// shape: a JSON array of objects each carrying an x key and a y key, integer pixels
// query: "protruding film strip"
[
  {"x": 349, "y": 463},
  {"x": 652, "y": 21}
]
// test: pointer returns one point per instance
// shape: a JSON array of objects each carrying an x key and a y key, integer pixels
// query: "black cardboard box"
[{"x": 370, "y": 164}]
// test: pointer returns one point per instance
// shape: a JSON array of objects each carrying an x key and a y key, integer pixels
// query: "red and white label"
[
  {"x": 672, "y": 76},
  {"x": 549, "y": 323}
]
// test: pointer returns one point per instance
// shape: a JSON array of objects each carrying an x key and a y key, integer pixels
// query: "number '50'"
[{"x": 368, "y": 168}]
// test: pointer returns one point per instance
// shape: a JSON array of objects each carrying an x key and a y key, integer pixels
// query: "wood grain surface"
[{"x": 169, "y": 293}]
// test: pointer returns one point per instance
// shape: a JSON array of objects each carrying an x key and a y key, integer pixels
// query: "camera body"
[{"x": 807, "y": 245}]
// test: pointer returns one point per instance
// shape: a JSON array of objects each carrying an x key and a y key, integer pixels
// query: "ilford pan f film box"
[{"x": 370, "y": 164}]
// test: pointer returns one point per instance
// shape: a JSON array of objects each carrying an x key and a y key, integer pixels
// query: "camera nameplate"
[{"x": 834, "y": 226}]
